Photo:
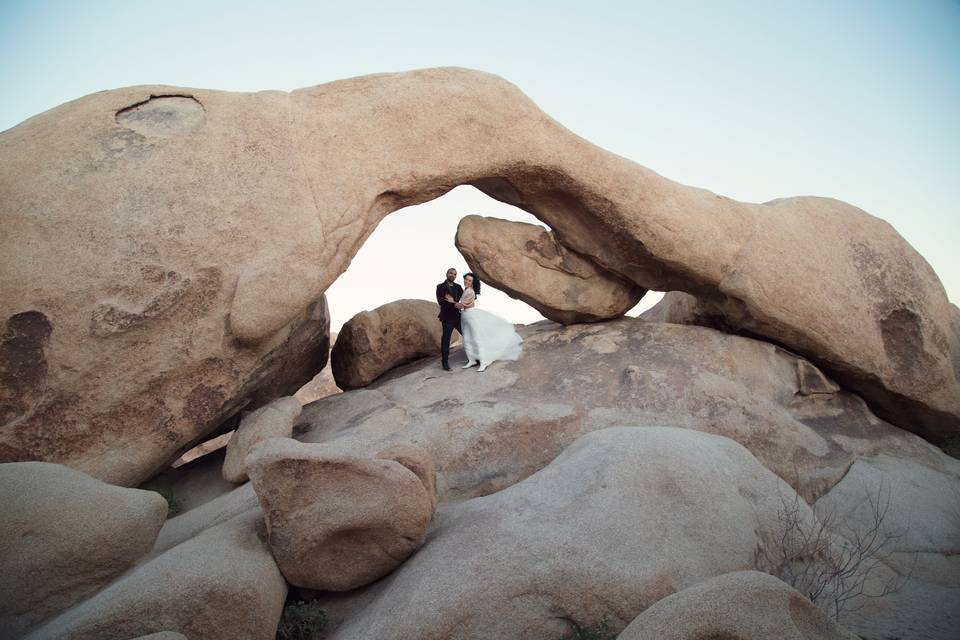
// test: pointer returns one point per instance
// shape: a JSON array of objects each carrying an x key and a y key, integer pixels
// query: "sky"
[{"x": 752, "y": 100}]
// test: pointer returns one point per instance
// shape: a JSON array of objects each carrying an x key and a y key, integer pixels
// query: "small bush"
[
  {"x": 172, "y": 507},
  {"x": 830, "y": 562},
  {"x": 301, "y": 620},
  {"x": 952, "y": 447},
  {"x": 599, "y": 632}
]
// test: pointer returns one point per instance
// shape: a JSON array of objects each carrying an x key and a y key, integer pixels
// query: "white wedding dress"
[{"x": 487, "y": 337}]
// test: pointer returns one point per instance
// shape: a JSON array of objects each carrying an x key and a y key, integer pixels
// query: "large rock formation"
[
  {"x": 530, "y": 264},
  {"x": 274, "y": 420},
  {"x": 221, "y": 584},
  {"x": 63, "y": 535},
  {"x": 744, "y": 605},
  {"x": 122, "y": 402},
  {"x": 337, "y": 522},
  {"x": 373, "y": 342},
  {"x": 195, "y": 230},
  {"x": 610, "y": 527},
  {"x": 486, "y": 432}
]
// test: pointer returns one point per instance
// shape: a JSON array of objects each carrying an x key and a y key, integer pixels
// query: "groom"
[{"x": 448, "y": 295}]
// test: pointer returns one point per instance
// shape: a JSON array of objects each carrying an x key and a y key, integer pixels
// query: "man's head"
[{"x": 451, "y": 274}]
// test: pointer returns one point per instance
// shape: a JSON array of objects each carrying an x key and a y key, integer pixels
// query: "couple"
[{"x": 486, "y": 337}]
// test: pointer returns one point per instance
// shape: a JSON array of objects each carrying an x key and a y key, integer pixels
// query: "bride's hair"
[{"x": 476, "y": 282}]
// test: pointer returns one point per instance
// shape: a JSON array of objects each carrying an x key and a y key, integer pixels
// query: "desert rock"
[
  {"x": 417, "y": 460},
  {"x": 373, "y": 342},
  {"x": 337, "y": 522},
  {"x": 224, "y": 216},
  {"x": 123, "y": 399},
  {"x": 485, "y": 432},
  {"x": 745, "y": 605},
  {"x": 529, "y": 263},
  {"x": 63, "y": 535},
  {"x": 610, "y": 527},
  {"x": 221, "y": 584},
  {"x": 274, "y": 420}
]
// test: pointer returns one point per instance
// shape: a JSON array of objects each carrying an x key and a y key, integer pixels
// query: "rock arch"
[{"x": 275, "y": 192}]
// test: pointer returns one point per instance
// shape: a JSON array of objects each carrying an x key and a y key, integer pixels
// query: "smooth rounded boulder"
[
  {"x": 63, "y": 535},
  {"x": 744, "y": 605},
  {"x": 220, "y": 585},
  {"x": 337, "y": 522},
  {"x": 530, "y": 264},
  {"x": 274, "y": 420},
  {"x": 372, "y": 342},
  {"x": 621, "y": 519}
]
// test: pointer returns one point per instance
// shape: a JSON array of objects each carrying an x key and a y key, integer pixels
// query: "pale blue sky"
[{"x": 753, "y": 100}]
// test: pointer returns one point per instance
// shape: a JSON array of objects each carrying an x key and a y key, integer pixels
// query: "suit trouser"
[{"x": 448, "y": 327}]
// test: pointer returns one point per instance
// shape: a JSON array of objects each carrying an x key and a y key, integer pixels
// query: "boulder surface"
[
  {"x": 744, "y": 605},
  {"x": 338, "y": 522},
  {"x": 373, "y": 342},
  {"x": 610, "y": 527},
  {"x": 529, "y": 263},
  {"x": 274, "y": 420},
  {"x": 63, "y": 535},
  {"x": 195, "y": 230},
  {"x": 221, "y": 584},
  {"x": 487, "y": 431}
]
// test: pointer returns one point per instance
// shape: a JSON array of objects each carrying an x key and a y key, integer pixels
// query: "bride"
[{"x": 486, "y": 337}]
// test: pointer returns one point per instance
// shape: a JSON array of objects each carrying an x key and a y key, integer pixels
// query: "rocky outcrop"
[
  {"x": 63, "y": 535},
  {"x": 488, "y": 432},
  {"x": 274, "y": 420},
  {"x": 122, "y": 402},
  {"x": 221, "y": 584},
  {"x": 610, "y": 527},
  {"x": 373, "y": 342},
  {"x": 745, "y": 605},
  {"x": 338, "y": 522},
  {"x": 530, "y": 264},
  {"x": 198, "y": 230}
]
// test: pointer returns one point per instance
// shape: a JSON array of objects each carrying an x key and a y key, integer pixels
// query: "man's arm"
[{"x": 441, "y": 297}]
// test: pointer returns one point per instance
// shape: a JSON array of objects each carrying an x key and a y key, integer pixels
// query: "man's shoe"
[{"x": 446, "y": 367}]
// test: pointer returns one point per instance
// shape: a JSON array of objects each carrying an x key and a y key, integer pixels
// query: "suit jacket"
[{"x": 448, "y": 312}]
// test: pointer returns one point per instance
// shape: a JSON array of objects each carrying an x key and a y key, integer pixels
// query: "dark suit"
[{"x": 449, "y": 317}]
